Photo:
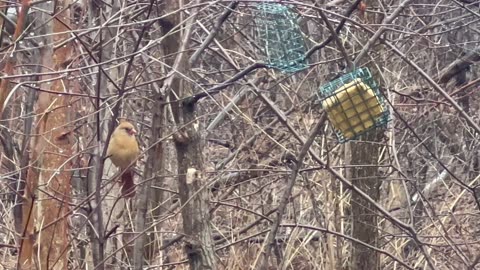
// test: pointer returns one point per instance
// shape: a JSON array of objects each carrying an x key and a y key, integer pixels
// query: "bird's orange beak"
[{"x": 133, "y": 131}]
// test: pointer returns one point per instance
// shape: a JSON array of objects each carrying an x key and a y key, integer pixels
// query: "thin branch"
[
  {"x": 334, "y": 34},
  {"x": 288, "y": 190},
  {"x": 435, "y": 86},
  {"x": 380, "y": 31},
  {"x": 216, "y": 89},
  {"x": 347, "y": 14},
  {"x": 233, "y": 5}
]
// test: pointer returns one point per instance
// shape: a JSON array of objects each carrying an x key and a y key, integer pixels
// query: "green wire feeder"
[
  {"x": 354, "y": 104},
  {"x": 280, "y": 37}
]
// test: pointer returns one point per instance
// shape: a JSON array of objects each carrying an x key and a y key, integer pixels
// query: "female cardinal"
[{"x": 123, "y": 151}]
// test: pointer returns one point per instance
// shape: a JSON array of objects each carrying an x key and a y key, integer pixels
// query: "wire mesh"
[
  {"x": 280, "y": 37},
  {"x": 354, "y": 104}
]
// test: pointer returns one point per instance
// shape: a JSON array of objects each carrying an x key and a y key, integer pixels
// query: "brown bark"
[
  {"x": 45, "y": 222},
  {"x": 195, "y": 214},
  {"x": 199, "y": 245},
  {"x": 366, "y": 152},
  {"x": 155, "y": 164},
  {"x": 364, "y": 214},
  {"x": 10, "y": 62}
]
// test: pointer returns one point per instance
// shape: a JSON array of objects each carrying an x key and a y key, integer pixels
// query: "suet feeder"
[
  {"x": 354, "y": 104},
  {"x": 280, "y": 37}
]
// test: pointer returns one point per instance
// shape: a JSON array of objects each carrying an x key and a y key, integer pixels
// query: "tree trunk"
[
  {"x": 366, "y": 151},
  {"x": 193, "y": 194},
  {"x": 364, "y": 224},
  {"x": 199, "y": 245},
  {"x": 47, "y": 193},
  {"x": 154, "y": 165}
]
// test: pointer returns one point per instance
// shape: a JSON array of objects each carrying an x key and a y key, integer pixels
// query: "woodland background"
[{"x": 239, "y": 169}]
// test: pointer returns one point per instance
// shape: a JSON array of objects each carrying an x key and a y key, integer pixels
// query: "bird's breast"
[{"x": 123, "y": 152}]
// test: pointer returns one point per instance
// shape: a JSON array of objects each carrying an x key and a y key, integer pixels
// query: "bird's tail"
[{"x": 128, "y": 186}]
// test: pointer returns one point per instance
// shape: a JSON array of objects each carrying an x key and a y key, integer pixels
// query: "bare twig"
[
  {"x": 288, "y": 190},
  {"x": 229, "y": 9}
]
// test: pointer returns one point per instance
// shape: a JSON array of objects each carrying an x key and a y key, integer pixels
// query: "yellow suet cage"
[{"x": 354, "y": 104}]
